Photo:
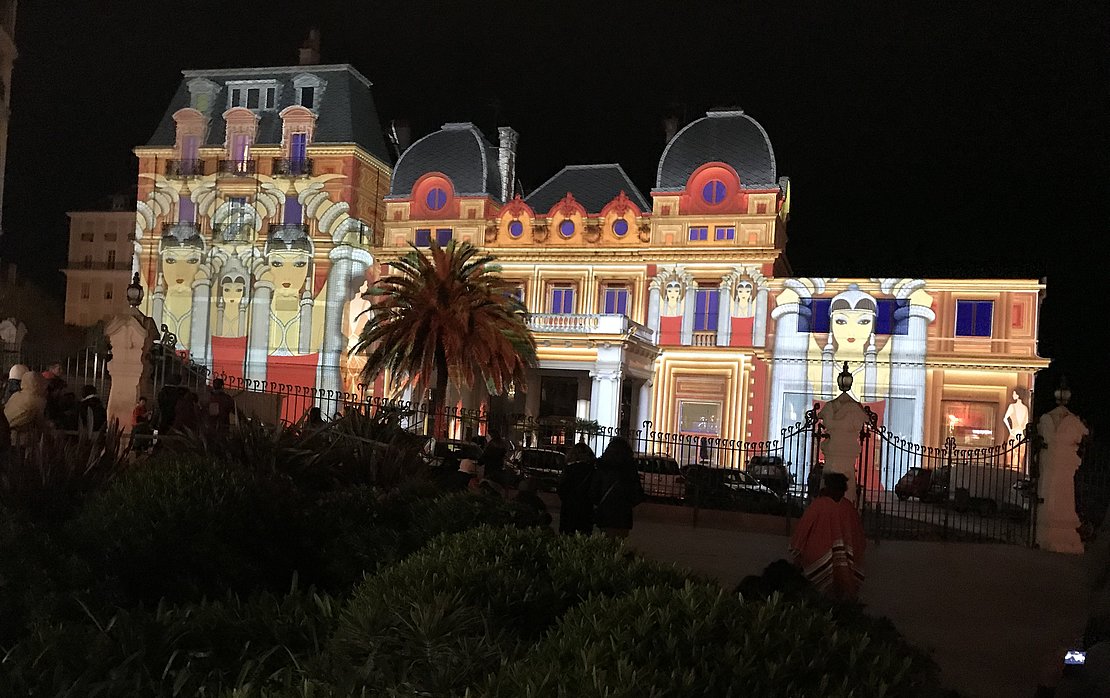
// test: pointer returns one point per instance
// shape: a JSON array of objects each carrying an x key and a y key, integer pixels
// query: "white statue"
[
  {"x": 1017, "y": 415},
  {"x": 1057, "y": 522},
  {"x": 843, "y": 419}
]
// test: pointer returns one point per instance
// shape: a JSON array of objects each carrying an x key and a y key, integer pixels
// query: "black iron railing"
[
  {"x": 182, "y": 230},
  {"x": 184, "y": 168},
  {"x": 293, "y": 167},
  {"x": 237, "y": 168},
  {"x": 288, "y": 231}
]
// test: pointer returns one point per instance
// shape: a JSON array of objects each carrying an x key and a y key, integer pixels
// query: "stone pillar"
[
  {"x": 131, "y": 336},
  {"x": 304, "y": 340},
  {"x": 760, "y": 328},
  {"x": 654, "y": 303},
  {"x": 724, "y": 312},
  {"x": 199, "y": 328},
  {"x": 690, "y": 302},
  {"x": 258, "y": 338},
  {"x": 907, "y": 372},
  {"x": 158, "y": 299},
  {"x": 643, "y": 405},
  {"x": 1057, "y": 521},
  {"x": 605, "y": 400},
  {"x": 348, "y": 271}
]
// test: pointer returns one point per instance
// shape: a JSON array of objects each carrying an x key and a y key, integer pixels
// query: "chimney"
[
  {"x": 506, "y": 160},
  {"x": 400, "y": 135},
  {"x": 309, "y": 53},
  {"x": 670, "y": 127}
]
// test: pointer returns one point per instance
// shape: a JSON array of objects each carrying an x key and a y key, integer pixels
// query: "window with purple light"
[
  {"x": 566, "y": 228},
  {"x": 423, "y": 237},
  {"x": 562, "y": 300},
  {"x": 436, "y": 199},
  {"x": 620, "y": 227},
  {"x": 698, "y": 233},
  {"x": 728, "y": 233},
  {"x": 974, "y": 318},
  {"x": 713, "y": 192},
  {"x": 516, "y": 229},
  {"x": 443, "y": 236},
  {"x": 616, "y": 300},
  {"x": 706, "y": 308}
]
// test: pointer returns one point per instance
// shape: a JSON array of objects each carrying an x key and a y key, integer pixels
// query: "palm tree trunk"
[{"x": 439, "y": 393}]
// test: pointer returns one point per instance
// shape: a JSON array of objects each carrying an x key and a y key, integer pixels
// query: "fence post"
[
  {"x": 131, "y": 336},
  {"x": 950, "y": 495}
]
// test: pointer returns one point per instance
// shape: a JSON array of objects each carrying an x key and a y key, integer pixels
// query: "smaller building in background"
[{"x": 100, "y": 263}]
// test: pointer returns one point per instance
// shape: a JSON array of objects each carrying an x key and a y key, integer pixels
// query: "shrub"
[
  {"x": 702, "y": 641},
  {"x": 443, "y": 618},
  {"x": 259, "y": 645}
]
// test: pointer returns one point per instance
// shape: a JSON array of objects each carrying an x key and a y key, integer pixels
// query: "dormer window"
[
  {"x": 202, "y": 94},
  {"x": 256, "y": 95},
  {"x": 308, "y": 90}
]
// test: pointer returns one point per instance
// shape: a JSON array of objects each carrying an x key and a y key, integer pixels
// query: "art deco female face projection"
[
  {"x": 852, "y": 319},
  {"x": 179, "y": 266},
  {"x": 744, "y": 292},
  {"x": 673, "y": 293},
  {"x": 232, "y": 290},
  {"x": 289, "y": 270}
]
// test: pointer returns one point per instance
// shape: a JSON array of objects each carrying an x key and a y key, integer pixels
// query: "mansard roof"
[
  {"x": 345, "y": 106},
  {"x": 461, "y": 152},
  {"x": 728, "y": 136},
  {"x": 593, "y": 186}
]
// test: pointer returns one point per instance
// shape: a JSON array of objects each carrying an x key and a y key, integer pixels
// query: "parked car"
[
  {"x": 772, "y": 472},
  {"x": 451, "y": 451},
  {"x": 660, "y": 476},
  {"x": 926, "y": 484},
  {"x": 730, "y": 488},
  {"x": 543, "y": 465}
]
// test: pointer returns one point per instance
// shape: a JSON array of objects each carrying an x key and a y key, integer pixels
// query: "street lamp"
[
  {"x": 844, "y": 380},
  {"x": 134, "y": 292},
  {"x": 1063, "y": 393}
]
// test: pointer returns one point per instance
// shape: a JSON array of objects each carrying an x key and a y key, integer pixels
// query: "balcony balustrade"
[
  {"x": 184, "y": 168},
  {"x": 292, "y": 167},
  {"x": 181, "y": 230},
  {"x": 704, "y": 339},
  {"x": 288, "y": 231},
  {"x": 592, "y": 323},
  {"x": 238, "y": 168}
]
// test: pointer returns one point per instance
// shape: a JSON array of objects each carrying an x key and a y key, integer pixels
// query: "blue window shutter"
[
  {"x": 293, "y": 210},
  {"x": 186, "y": 210},
  {"x": 443, "y": 236},
  {"x": 820, "y": 320},
  {"x": 984, "y": 312},
  {"x": 610, "y": 302},
  {"x": 622, "y": 301},
  {"x": 965, "y": 318},
  {"x": 568, "y": 301},
  {"x": 714, "y": 309},
  {"x": 423, "y": 237},
  {"x": 884, "y": 316},
  {"x": 699, "y": 311},
  {"x": 298, "y": 145}
]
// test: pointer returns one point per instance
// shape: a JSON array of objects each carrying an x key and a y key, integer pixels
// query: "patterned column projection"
[
  {"x": 304, "y": 341},
  {"x": 348, "y": 270},
  {"x": 724, "y": 312},
  {"x": 258, "y": 340},
  {"x": 199, "y": 328}
]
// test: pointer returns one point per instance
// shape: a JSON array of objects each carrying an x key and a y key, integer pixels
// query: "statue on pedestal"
[
  {"x": 843, "y": 418},
  {"x": 1057, "y": 522}
]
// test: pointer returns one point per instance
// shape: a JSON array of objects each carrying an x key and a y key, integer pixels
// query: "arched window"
[{"x": 713, "y": 192}]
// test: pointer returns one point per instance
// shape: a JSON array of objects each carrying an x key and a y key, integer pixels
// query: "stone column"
[
  {"x": 654, "y": 302},
  {"x": 690, "y": 302},
  {"x": 643, "y": 405},
  {"x": 199, "y": 329},
  {"x": 258, "y": 338},
  {"x": 605, "y": 400},
  {"x": 760, "y": 328},
  {"x": 788, "y": 365},
  {"x": 724, "y": 313},
  {"x": 131, "y": 336},
  {"x": 348, "y": 271},
  {"x": 158, "y": 299},
  {"x": 907, "y": 372},
  {"x": 304, "y": 340}
]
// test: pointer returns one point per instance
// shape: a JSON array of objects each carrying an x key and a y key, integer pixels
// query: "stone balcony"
[{"x": 593, "y": 323}]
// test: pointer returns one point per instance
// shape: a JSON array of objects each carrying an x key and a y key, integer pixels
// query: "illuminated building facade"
[
  {"x": 99, "y": 266},
  {"x": 679, "y": 309},
  {"x": 258, "y": 196}
]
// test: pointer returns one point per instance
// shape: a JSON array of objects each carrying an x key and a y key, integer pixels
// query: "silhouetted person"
[
  {"x": 186, "y": 412},
  {"x": 828, "y": 543},
  {"x": 526, "y": 495},
  {"x": 576, "y": 508},
  {"x": 616, "y": 489},
  {"x": 493, "y": 455},
  {"x": 91, "y": 414},
  {"x": 220, "y": 407}
]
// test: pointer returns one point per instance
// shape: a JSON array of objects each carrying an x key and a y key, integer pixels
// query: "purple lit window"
[
  {"x": 423, "y": 237},
  {"x": 186, "y": 210},
  {"x": 620, "y": 226},
  {"x": 699, "y": 233},
  {"x": 294, "y": 212},
  {"x": 443, "y": 236},
  {"x": 566, "y": 228},
  {"x": 436, "y": 199},
  {"x": 724, "y": 234},
  {"x": 973, "y": 318},
  {"x": 713, "y": 192},
  {"x": 562, "y": 300},
  {"x": 516, "y": 229},
  {"x": 706, "y": 308},
  {"x": 616, "y": 301}
]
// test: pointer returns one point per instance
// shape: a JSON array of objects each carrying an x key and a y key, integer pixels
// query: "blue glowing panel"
[
  {"x": 888, "y": 319},
  {"x": 724, "y": 234},
  {"x": 423, "y": 237},
  {"x": 973, "y": 318},
  {"x": 566, "y": 228},
  {"x": 713, "y": 192},
  {"x": 616, "y": 301},
  {"x": 294, "y": 212},
  {"x": 620, "y": 227},
  {"x": 516, "y": 229},
  {"x": 443, "y": 236},
  {"x": 818, "y": 318},
  {"x": 436, "y": 199},
  {"x": 697, "y": 234},
  {"x": 562, "y": 301}
]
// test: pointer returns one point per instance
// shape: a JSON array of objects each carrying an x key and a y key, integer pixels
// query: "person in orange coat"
[{"x": 829, "y": 542}]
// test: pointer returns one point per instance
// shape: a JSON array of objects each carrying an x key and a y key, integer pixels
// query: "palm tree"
[{"x": 447, "y": 313}]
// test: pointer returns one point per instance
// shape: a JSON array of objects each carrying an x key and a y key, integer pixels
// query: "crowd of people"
[{"x": 33, "y": 402}]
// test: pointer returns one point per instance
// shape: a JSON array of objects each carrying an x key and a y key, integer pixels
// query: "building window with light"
[
  {"x": 973, "y": 318},
  {"x": 561, "y": 300},
  {"x": 706, "y": 308},
  {"x": 699, "y": 233},
  {"x": 971, "y": 424},
  {"x": 724, "y": 233},
  {"x": 443, "y": 236},
  {"x": 86, "y": 291},
  {"x": 615, "y": 300},
  {"x": 423, "y": 237}
]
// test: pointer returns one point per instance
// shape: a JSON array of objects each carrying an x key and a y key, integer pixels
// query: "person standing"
[
  {"x": 829, "y": 542},
  {"x": 141, "y": 414},
  {"x": 220, "y": 407},
  {"x": 616, "y": 489},
  {"x": 26, "y": 410},
  {"x": 91, "y": 414},
  {"x": 493, "y": 456},
  {"x": 576, "y": 509}
]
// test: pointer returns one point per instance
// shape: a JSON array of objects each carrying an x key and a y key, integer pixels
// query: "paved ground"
[{"x": 990, "y": 614}]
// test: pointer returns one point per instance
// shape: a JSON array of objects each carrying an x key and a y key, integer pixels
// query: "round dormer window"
[
  {"x": 436, "y": 199},
  {"x": 516, "y": 229},
  {"x": 620, "y": 227},
  {"x": 713, "y": 192},
  {"x": 566, "y": 228}
]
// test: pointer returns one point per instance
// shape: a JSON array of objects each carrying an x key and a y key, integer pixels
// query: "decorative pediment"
[
  {"x": 620, "y": 206},
  {"x": 567, "y": 207},
  {"x": 516, "y": 208}
]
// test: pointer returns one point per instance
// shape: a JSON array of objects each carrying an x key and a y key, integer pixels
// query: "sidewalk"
[{"x": 989, "y": 614}]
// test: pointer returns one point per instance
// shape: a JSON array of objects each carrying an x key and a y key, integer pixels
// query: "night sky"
[{"x": 921, "y": 140}]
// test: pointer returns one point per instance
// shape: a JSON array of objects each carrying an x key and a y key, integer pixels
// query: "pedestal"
[{"x": 131, "y": 337}]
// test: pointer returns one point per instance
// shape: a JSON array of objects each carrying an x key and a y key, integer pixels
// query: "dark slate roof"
[
  {"x": 593, "y": 186},
  {"x": 458, "y": 150},
  {"x": 345, "y": 107},
  {"x": 731, "y": 137}
]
